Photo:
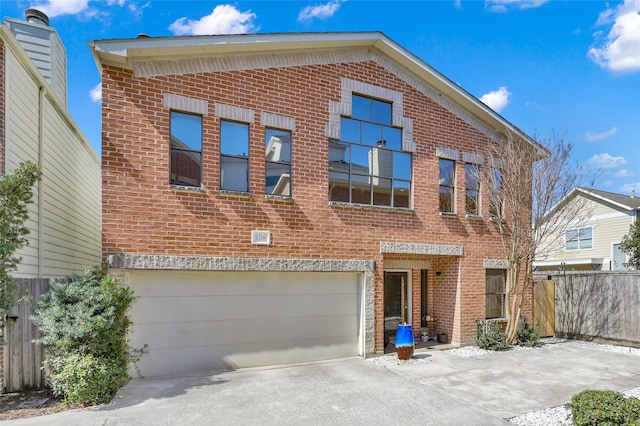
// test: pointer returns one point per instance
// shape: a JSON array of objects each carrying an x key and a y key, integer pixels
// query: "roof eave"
[{"x": 124, "y": 52}]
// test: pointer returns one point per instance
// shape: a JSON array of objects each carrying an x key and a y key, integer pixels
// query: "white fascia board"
[
  {"x": 583, "y": 261},
  {"x": 605, "y": 199}
]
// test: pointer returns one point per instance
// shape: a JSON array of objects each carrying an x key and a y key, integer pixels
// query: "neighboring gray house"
[
  {"x": 65, "y": 217},
  {"x": 594, "y": 242}
]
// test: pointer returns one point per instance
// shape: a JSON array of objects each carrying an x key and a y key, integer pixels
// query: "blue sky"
[{"x": 564, "y": 68}]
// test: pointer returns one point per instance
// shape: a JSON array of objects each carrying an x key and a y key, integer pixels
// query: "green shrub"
[
  {"x": 604, "y": 408},
  {"x": 84, "y": 324},
  {"x": 528, "y": 335},
  {"x": 85, "y": 379},
  {"x": 492, "y": 339}
]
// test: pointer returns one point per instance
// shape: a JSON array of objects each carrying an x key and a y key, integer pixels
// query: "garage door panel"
[
  {"x": 198, "y": 283},
  {"x": 166, "y": 309},
  {"x": 208, "y": 320},
  {"x": 265, "y": 332},
  {"x": 173, "y": 361}
]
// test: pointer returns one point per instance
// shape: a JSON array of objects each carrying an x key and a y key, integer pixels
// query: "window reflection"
[
  {"x": 278, "y": 162},
  {"x": 186, "y": 149},
  {"x": 367, "y": 165}
]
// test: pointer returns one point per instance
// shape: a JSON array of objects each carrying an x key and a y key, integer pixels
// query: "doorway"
[{"x": 396, "y": 303}]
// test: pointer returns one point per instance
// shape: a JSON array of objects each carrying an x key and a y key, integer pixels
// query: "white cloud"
[
  {"x": 55, "y": 8},
  {"x": 628, "y": 187},
  {"x": 497, "y": 99},
  {"x": 96, "y": 93},
  {"x": 224, "y": 19},
  {"x": 501, "y": 6},
  {"x": 595, "y": 137},
  {"x": 621, "y": 50},
  {"x": 321, "y": 11},
  {"x": 623, "y": 173},
  {"x": 606, "y": 161}
]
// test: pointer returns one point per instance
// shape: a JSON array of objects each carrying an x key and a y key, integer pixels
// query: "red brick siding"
[{"x": 141, "y": 214}]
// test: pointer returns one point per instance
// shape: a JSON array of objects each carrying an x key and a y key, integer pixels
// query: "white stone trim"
[
  {"x": 254, "y": 264},
  {"x": 496, "y": 264},
  {"x": 411, "y": 248},
  {"x": 495, "y": 163},
  {"x": 183, "y": 103},
  {"x": 448, "y": 153},
  {"x": 277, "y": 121},
  {"x": 343, "y": 107},
  {"x": 472, "y": 158},
  {"x": 230, "y": 112}
]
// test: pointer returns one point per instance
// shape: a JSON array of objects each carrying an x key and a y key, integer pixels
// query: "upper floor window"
[
  {"x": 578, "y": 239},
  {"x": 367, "y": 165},
  {"x": 234, "y": 156},
  {"x": 278, "y": 166},
  {"x": 472, "y": 190},
  {"x": 447, "y": 180},
  {"x": 186, "y": 149},
  {"x": 496, "y": 205}
]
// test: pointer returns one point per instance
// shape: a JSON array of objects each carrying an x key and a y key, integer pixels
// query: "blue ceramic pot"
[{"x": 404, "y": 342}]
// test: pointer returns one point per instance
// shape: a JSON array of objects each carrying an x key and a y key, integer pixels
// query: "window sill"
[
  {"x": 238, "y": 194},
  {"x": 473, "y": 216},
  {"x": 180, "y": 188},
  {"x": 370, "y": 207},
  {"x": 281, "y": 198},
  {"x": 448, "y": 214}
]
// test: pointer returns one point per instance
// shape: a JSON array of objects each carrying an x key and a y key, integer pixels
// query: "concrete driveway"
[{"x": 437, "y": 388}]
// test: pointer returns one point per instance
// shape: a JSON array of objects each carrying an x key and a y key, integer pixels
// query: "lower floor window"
[{"x": 495, "y": 293}]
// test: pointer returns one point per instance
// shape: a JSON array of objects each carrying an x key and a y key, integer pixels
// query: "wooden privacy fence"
[
  {"x": 598, "y": 305},
  {"x": 22, "y": 359}
]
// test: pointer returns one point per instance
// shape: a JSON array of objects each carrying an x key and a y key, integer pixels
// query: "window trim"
[
  {"x": 452, "y": 187},
  {"x": 476, "y": 189},
  {"x": 579, "y": 240},
  {"x": 246, "y": 158},
  {"x": 288, "y": 163},
  {"x": 493, "y": 214},
  {"x": 370, "y": 177},
  {"x": 186, "y": 150}
]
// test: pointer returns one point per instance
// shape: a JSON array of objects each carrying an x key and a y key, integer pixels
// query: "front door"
[{"x": 396, "y": 303}]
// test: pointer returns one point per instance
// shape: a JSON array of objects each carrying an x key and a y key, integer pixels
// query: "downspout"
[{"x": 40, "y": 184}]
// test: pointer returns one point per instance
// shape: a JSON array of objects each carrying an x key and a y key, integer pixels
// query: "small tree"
[
  {"x": 631, "y": 245},
  {"x": 15, "y": 196},
  {"x": 525, "y": 181}
]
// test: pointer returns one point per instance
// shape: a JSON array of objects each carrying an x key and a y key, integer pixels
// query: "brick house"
[{"x": 289, "y": 197}]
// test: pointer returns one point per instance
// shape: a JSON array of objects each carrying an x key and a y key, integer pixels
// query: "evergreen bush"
[
  {"x": 492, "y": 338},
  {"x": 528, "y": 335},
  {"x": 84, "y": 324},
  {"x": 604, "y": 408},
  {"x": 86, "y": 379}
]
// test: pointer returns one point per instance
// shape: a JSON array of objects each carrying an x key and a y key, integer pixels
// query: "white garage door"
[{"x": 195, "y": 321}]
